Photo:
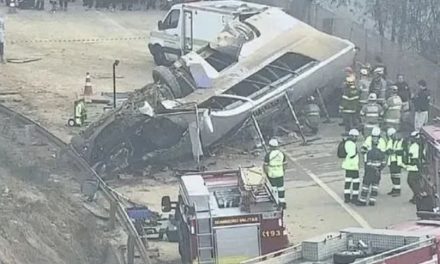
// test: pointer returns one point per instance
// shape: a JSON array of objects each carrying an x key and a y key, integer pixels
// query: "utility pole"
[{"x": 116, "y": 63}]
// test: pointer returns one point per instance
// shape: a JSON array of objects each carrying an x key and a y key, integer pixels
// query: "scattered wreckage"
[{"x": 255, "y": 66}]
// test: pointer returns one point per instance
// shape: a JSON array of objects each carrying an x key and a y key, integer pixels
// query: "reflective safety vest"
[
  {"x": 413, "y": 157},
  {"x": 368, "y": 145},
  {"x": 350, "y": 100},
  {"x": 371, "y": 113},
  {"x": 351, "y": 161},
  {"x": 396, "y": 149},
  {"x": 275, "y": 167},
  {"x": 393, "y": 109},
  {"x": 364, "y": 89}
]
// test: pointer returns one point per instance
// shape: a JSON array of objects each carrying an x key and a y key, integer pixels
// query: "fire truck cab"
[{"x": 226, "y": 217}]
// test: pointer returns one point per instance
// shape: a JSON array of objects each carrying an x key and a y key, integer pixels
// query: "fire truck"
[
  {"x": 227, "y": 216},
  {"x": 415, "y": 242}
]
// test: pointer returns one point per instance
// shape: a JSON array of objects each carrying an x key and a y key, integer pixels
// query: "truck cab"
[{"x": 191, "y": 26}]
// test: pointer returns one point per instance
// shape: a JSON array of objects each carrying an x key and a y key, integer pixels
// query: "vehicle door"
[{"x": 171, "y": 30}]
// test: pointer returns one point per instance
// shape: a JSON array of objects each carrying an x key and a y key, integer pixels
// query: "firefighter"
[
  {"x": 371, "y": 114},
  {"x": 80, "y": 112},
  {"x": 374, "y": 137},
  {"x": 412, "y": 164},
  {"x": 312, "y": 115},
  {"x": 393, "y": 108},
  {"x": 394, "y": 152},
  {"x": 374, "y": 164},
  {"x": 350, "y": 104},
  {"x": 274, "y": 166},
  {"x": 379, "y": 85},
  {"x": 351, "y": 167},
  {"x": 364, "y": 86}
]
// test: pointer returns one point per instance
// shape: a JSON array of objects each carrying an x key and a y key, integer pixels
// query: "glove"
[{"x": 364, "y": 150}]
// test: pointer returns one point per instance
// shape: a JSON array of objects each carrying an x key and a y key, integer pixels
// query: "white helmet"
[
  {"x": 375, "y": 132},
  {"x": 372, "y": 97},
  {"x": 415, "y": 134},
  {"x": 391, "y": 131},
  {"x": 353, "y": 132},
  {"x": 273, "y": 142}
]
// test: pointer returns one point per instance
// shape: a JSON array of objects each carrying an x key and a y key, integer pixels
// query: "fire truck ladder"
[{"x": 205, "y": 239}]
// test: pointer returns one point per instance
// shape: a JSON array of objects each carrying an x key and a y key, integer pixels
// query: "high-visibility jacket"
[
  {"x": 393, "y": 108},
  {"x": 395, "y": 150},
  {"x": 413, "y": 157},
  {"x": 368, "y": 145},
  {"x": 364, "y": 90},
  {"x": 350, "y": 100},
  {"x": 275, "y": 165},
  {"x": 351, "y": 161},
  {"x": 371, "y": 113}
]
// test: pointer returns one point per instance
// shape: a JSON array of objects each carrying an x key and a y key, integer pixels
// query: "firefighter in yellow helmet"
[
  {"x": 349, "y": 106},
  {"x": 275, "y": 166}
]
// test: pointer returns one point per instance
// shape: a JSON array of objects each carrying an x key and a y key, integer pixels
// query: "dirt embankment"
[{"x": 42, "y": 217}]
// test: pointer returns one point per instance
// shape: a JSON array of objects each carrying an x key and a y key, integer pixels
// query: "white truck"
[{"x": 190, "y": 26}]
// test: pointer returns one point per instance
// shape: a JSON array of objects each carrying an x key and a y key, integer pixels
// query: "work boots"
[{"x": 394, "y": 193}]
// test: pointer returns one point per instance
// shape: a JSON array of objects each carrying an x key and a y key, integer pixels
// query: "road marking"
[{"x": 355, "y": 215}]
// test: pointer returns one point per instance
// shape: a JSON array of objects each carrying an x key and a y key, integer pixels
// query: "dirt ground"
[{"x": 45, "y": 91}]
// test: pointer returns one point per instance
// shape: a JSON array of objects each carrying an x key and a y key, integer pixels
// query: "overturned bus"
[{"x": 256, "y": 65}]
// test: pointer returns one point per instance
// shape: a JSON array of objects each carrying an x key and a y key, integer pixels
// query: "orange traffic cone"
[{"x": 88, "y": 89}]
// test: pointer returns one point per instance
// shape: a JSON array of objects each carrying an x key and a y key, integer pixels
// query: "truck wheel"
[
  {"x": 160, "y": 58},
  {"x": 71, "y": 122},
  {"x": 165, "y": 76},
  {"x": 346, "y": 257}
]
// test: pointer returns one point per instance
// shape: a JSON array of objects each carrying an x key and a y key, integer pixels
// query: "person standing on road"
[
  {"x": 350, "y": 104},
  {"x": 393, "y": 108},
  {"x": 413, "y": 165},
  {"x": 403, "y": 91},
  {"x": 312, "y": 115},
  {"x": 2, "y": 40},
  {"x": 351, "y": 167},
  {"x": 421, "y": 105},
  {"x": 364, "y": 86},
  {"x": 274, "y": 166},
  {"x": 371, "y": 114},
  {"x": 379, "y": 85},
  {"x": 370, "y": 140},
  {"x": 374, "y": 164},
  {"x": 394, "y": 153},
  {"x": 63, "y": 5},
  {"x": 39, "y": 5}
]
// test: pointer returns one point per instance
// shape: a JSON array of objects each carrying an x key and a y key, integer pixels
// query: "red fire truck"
[{"x": 226, "y": 216}]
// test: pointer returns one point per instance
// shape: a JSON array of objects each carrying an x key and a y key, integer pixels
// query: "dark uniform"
[
  {"x": 370, "y": 184},
  {"x": 312, "y": 116},
  {"x": 350, "y": 106}
]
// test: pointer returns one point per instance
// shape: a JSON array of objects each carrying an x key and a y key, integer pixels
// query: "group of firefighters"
[{"x": 376, "y": 109}]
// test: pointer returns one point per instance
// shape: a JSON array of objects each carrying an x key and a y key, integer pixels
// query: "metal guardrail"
[{"x": 109, "y": 194}]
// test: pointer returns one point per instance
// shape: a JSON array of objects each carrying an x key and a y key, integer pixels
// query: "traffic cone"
[{"x": 88, "y": 89}]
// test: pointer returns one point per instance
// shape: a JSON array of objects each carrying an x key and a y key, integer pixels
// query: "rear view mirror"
[
  {"x": 166, "y": 204},
  {"x": 160, "y": 25}
]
